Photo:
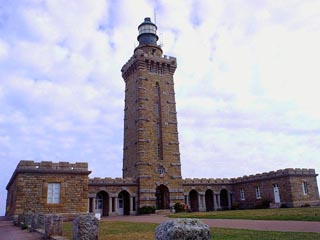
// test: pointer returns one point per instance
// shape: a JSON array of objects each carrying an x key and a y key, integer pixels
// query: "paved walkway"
[
  {"x": 10, "y": 232},
  {"x": 283, "y": 226}
]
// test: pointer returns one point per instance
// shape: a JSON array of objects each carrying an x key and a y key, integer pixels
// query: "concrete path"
[
  {"x": 283, "y": 226},
  {"x": 10, "y": 232}
]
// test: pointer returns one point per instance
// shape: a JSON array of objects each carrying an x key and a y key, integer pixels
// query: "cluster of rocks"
[
  {"x": 85, "y": 226},
  {"x": 183, "y": 229}
]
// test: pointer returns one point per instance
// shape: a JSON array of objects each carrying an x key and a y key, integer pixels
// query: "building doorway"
[
  {"x": 123, "y": 203},
  {"x": 276, "y": 193},
  {"x": 209, "y": 200},
  {"x": 162, "y": 197},
  {"x": 102, "y": 203},
  {"x": 194, "y": 201},
  {"x": 224, "y": 199}
]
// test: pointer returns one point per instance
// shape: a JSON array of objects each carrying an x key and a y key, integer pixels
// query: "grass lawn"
[
  {"x": 296, "y": 214},
  {"x": 145, "y": 231}
]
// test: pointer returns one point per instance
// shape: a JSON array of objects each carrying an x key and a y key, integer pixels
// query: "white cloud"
[
  {"x": 3, "y": 50},
  {"x": 246, "y": 82}
]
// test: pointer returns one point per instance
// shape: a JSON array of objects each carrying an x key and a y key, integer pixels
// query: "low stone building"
[
  {"x": 46, "y": 187},
  {"x": 288, "y": 187},
  {"x": 151, "y": 160}
]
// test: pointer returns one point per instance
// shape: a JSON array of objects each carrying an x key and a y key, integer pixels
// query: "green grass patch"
[
  {"x": 145, "y": 231},
  {"x": 240, "y": 234},
  {"x": 296, "y": 214},
  {"x": 118, "y": 230}
]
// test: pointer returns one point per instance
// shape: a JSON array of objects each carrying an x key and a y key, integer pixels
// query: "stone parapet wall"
[
  {"x": 28, "y": 166},
  {"x": 48, "y": 165},
  {"x": 256, "y": 177},
  {"x": 112, "y": 181},
  {"x": 206, "y": 181},
  {"x": 276, "y": 174},
  {"x": 140, "y": 56}
]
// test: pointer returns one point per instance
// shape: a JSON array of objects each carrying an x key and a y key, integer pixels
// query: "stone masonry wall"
[
  {"x": 151, "y": 145},
  {"x": 29, "y": 186},
  {"x": 298, "y": 197},
  {"x": 289, "y": 182}
]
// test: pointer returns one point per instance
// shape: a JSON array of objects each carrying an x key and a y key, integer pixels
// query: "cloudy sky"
[{"x": 247, "y": 83}]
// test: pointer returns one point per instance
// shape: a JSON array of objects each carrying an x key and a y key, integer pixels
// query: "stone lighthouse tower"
[{"x": 151, "y": 146}]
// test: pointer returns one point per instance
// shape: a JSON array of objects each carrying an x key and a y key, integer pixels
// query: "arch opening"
[
  {"x": 102, "y": 203},
  {"x": 124, "y": 203},
  {"x": 224, "y": 199},
  {"x": 209, "y": 200},
  {"x": 162, "y": 197},
  {"x": 194, "y": 201}
]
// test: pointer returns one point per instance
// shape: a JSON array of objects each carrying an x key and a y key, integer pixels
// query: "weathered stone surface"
[
  {"x": 85, "y": 227},
  {"x": 28, "y": 218},
  {"x": 37, "y": 222},
  {"x": 183, "y": 229},
  {"x": 15, "y": 219},
  {"x": 20, "y": 219},
  {"x": 52, "y": 225},
  {"x": 28, "y": 188}
]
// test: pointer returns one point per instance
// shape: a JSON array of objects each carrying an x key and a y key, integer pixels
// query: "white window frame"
[
  {"x": 242, "y": 197},
  {"x": 54, "y": 191},
  {"x": 258, "y": 192},
  {"x": 161, "y": 170},
  {"x": 305, "y": 188}
]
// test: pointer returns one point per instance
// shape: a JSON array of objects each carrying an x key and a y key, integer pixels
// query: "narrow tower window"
[
  {"x": 157, "y": 89},
  {"x": 258, "y": 193},
  {"x": 242, "y": 194},
  {"x": 305, "y": 188},
  {"x": 158, "y": 129},
  {"x": 159, "y": 152},
  {"x": 157, "y": 109}
]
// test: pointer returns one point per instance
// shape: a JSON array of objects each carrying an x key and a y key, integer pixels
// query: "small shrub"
[
  {"x": 23, "y": 226},
  {"x": 306, "y": 205},
  {"x": 283, "y": 205},
  {"x": 243, "y": 207},
  {"x": 178, "y": 207},
  {"x": 147, "y": 210},
  {"x": 235, "y": 206},
  {"x": 266, "y": 204}
]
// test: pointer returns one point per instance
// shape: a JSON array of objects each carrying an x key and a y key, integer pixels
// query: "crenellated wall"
[
  {"x": 28, "y": 187},
  {"x": 206, "y": 181},
  {"x": 276, "y": 174},
  {"x": 137, "y": 61},
  {"x": 112, "y": 181},
  {"x": 288, "y": 182}
]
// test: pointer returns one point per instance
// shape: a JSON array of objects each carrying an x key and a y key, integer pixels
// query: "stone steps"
[{"x": 163, "y": 211}]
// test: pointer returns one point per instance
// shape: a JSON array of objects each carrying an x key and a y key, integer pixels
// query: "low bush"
[
  {"x": 23, "y": 226},
  {"x": 147, "y": 210},
  {"x": 179, "y": 207}
]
